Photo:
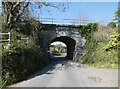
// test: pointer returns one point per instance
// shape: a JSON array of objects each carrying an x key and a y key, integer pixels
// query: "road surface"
[
  {"x": 71, "y": 74},
  {"x": 59, "y": 57}
]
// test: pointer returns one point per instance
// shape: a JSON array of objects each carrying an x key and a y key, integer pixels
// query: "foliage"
[
  {"x": 56, "y": 53},
  {"x": 113, "y": 42},
  {"x": 30, "y": 27},
  {"x": 94, "y": 51},
  {"x": 87, "y": 30},
  {"x": 117, "y": 13},
  {"x": 16, "y": 12},
  {"x": 101, "y": 58},
  {"x": 0, "y": 23},
  {"x": 19, "y": 61},
  {"x": 112, "y": 24},
  {"x": 13, "y": 12}
]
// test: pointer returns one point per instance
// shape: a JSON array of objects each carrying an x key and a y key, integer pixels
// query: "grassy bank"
[
  {"x": 101, "y": 58},
  {"x": 101, "y": 48}
]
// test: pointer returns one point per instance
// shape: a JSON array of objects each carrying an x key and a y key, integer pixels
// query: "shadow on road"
[{"x": 58, "y": 63}]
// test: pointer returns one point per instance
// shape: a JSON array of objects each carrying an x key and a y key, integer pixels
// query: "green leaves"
[
  {"x": 117, "y": 13},
  {"x": 87, "y": 30},
  {"x": 112, "y": 24},
  {"x": 20, "y": 61},
  {"x": 97, "y": 42},
  {"x": 113, "y": 43}
]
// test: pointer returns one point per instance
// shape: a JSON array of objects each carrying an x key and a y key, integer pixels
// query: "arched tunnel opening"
[
  {"x": 70, "y": 46},
  {"x": 58, "y": 50}
]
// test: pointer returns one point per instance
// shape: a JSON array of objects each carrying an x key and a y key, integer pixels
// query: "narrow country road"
[{"x": 71, "y": 74}]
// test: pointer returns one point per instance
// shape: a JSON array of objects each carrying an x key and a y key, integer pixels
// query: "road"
[
  {"x": 59, "y": 57},
  {"x": 71, "y": 74}
]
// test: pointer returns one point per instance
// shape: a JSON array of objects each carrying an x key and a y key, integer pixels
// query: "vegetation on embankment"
[
  {"x": 101, "y": 47},
  {"x": 21, "y": 59}
]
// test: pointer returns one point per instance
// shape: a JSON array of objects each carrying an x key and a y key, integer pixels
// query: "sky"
[
  {"x": 57, "y": 43},
  {"x": 102, "y": 12},
  {"x": 96, "y": 11}
]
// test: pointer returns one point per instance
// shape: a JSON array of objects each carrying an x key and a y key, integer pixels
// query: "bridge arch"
[
  {"x": 66, "y": 34},
  {"x": 70, "y": 43}
]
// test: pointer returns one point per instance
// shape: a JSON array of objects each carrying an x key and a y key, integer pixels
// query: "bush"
[
  {"x": 87, "y": 30},
  {"x": 94, "y": 51},
  {"x": 113, "y": 42},
  {"x": 112, "y": 24},
  {"x": 56, "y": 53},
  {"x": 20, "y": 61},
  {"x": 101, "y": 58}
]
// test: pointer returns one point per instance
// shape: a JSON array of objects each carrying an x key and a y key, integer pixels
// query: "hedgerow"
[{"x": 19, "y": 61}]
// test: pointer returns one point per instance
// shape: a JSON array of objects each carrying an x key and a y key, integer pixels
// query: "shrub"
[
  {"x": 56, "y": 53},
  {"x": 94, "y": 51},
  {"x": 112, "y": 24},
  {"x": 87, "y": 30},
  {"x": 113, "y": 42},
  {"x": 19, "y": 61}
]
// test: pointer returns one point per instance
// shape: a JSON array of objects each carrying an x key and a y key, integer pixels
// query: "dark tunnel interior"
[{"x": 70, "y": 43}]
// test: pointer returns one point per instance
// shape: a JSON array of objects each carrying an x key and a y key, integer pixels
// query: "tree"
[
  {"x": 0, "y": 24},
  {"x": 117, "y": 15},
  {"x": 15, "y": 12},
  {"x": 112, "y": 24}
]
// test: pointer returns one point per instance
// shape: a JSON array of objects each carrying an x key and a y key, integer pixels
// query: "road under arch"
[{"x": 70, "y": 43}]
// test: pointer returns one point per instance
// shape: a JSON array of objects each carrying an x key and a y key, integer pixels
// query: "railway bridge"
[{"x": 67, "y": 34}]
